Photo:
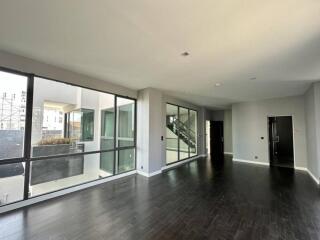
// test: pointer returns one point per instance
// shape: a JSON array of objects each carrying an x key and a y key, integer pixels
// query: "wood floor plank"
[{"x": 199, "y": 200}]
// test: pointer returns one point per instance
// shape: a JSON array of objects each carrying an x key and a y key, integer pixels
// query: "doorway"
[
  {"x": 216, "y": 141},
  {"x": 208, "y": 137},
  {"x": 281, "y": 152}
]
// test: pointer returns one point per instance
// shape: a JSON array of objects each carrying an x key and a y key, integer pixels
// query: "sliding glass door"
[{"x": 181, "y": 133}]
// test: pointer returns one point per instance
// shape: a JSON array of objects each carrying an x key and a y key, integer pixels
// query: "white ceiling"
[{"x": 138, "y": 44}]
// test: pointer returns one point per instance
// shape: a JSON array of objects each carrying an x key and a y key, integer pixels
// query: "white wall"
[
  {"x": 312, "y": 114},
  {"x": 227, "y": 131},
  {"x": 249, "y": 124},
  {"x": 152, "y": 125},
  {"x": 149, "y": 144}
]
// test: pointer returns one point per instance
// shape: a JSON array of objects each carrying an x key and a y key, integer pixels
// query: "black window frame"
[
  {"x": 27, "y": 158},
  {"x": 196, "y": 135}
]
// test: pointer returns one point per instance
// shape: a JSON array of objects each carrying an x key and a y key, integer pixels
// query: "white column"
[{"x": 150, "y": 130}]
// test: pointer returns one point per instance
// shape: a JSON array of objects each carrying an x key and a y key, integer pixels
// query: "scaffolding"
[{"x": 12, "y": 110}]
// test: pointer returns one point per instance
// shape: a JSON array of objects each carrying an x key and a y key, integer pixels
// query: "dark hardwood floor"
[{"x": 196, "y": 201}]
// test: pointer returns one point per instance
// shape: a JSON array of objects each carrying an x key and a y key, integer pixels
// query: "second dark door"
[
  {"x": 216, "y": 140},
  {"x": 281, "y": 141}
]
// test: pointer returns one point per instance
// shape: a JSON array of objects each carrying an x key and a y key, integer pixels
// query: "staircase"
[{"x": 182, "y": 131}]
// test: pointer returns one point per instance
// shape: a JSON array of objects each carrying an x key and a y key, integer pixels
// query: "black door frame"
[{"x": 293, "y": 137}]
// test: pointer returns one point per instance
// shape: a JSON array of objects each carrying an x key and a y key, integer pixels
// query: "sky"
[{"x": 12, "y": 83}]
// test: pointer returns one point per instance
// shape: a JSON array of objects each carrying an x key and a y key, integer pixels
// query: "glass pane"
[
  {"x": 107, "y": 162},
  {"x": 125, "y": 128},
  {"x": 11, "y": 182},
  {"x": 58, "y": 173},
  {"x": 13, "y": 98},
  {"x": 193, "y": 133},
  {"x": 107, "y": 123},
  {"x": 171, "y": 133},
  {"x": 126, "y": 160},
  {"x": 74, "y": 123},
  {"x": 183, "y": 124},
  {"x": 67, "y": 119}
]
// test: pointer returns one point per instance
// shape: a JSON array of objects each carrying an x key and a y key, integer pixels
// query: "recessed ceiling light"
[
  {"x": 217, "y": 84},
  {"x": 185, "y": 54}
]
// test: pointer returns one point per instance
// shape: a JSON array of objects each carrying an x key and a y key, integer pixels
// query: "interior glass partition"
[
  {"x": 181, "y": 133},
  {"x": 172, "y": 140},
  {"x": 184, "y": 136},
  {"x": 126, "y": 122},
  {"x": 55, "y": 135},
  {"x": 193, "y": 132},
  {"x": 125, "y": 134}
]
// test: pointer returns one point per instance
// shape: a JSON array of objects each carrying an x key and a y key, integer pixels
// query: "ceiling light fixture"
[
  {"x": 218, "y": 84},
  {"x": 185, "y": 54}
]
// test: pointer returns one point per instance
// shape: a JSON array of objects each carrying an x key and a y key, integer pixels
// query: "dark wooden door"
[
  {"x": 281, "y": 141},
  {"x": 216, "y": 140}
]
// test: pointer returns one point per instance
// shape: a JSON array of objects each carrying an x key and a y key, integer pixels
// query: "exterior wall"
[{"x": 249, "y": 124}]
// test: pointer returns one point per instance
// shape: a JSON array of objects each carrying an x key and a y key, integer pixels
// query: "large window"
[
  {"x": 60, "y": 136},
  {"x": 13, "y": 89},
  {"x": 13, "y": 100},
  {"x": 181, "y": 131}
]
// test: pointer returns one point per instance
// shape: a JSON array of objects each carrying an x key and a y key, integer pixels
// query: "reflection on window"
[
  {"x": 172, "y": 134},
  {"x": 68, "y": 122},
  {"x": 80, "y": 125},
  {"x": 75, "y": 137},
  {"x": 193, "y": 133},
  {"x": 126, "y": 160},
  {"x": 181, "y": 133},
  {"x": 107, "y": 129},
  {"x": 12, "y": 114},
  {"x": 58, "y": 173},
  {"x": 107, "y": 162},
  {"x": 125, "y": 108}
]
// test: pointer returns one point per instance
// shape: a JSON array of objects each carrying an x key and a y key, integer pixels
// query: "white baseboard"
[
  {"x": 249, "y": 161},
  {"x": 169, "y": 166},
  {"x": 173, "y": 165},
  {"x": 301, "y": 168},
  {"x": 42, "y": 198},
  {"x": 228, "y": 153},
  {"x": 309, "y": 172},
  {"x": 267, "y": 164},
  {"x": 149, "y": 174},
  {"x": 313, "y": 177}
]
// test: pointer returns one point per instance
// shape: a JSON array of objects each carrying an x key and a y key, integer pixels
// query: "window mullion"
[{"x": 27, "y": 136}]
